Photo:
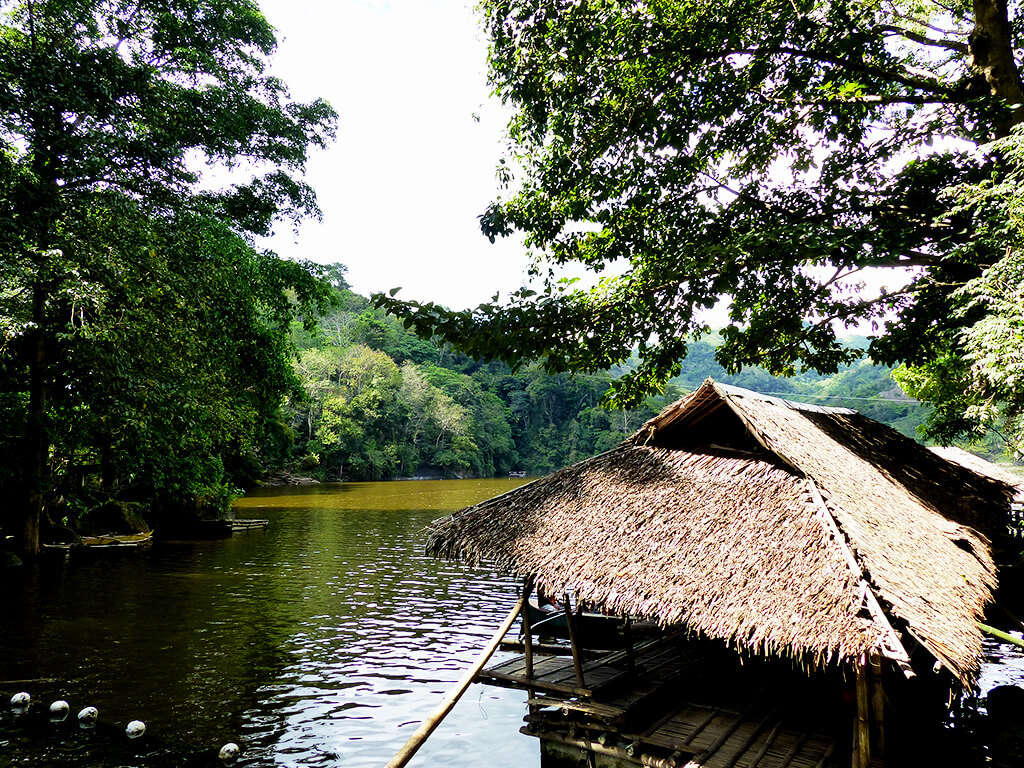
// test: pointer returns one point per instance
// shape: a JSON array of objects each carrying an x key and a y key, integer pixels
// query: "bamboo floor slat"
[
  {"x": 695, "y": 736},
  {"x": 658, "y": 659}
]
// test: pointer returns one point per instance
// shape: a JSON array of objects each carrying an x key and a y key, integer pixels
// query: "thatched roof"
[{"x": 781, "y": 528}]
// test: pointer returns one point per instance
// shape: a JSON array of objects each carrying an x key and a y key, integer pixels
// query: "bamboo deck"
[
  {"x": 629, "y": 709},
  {"x": 694, "y": 736}
]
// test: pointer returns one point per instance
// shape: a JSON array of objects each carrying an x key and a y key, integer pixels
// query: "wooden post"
[
  {"x": 527, "y": 634},
  {"x": 628, "y": 637},
  {"x": 877, "y": 705},
  {"x": 861, "y": 723},
  {"x": 571, "y": 622},
  {"x": 427, "y": 727}
]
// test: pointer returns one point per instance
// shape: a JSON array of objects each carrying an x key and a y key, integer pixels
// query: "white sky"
[
  {"x": 419, "y": 138},
  {"x": 411, "y": 169}
]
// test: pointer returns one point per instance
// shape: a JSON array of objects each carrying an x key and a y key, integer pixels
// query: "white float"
[
  {"x": 21, "y": 700},
  {"x": 59, "y": 709},
  {"x": 228, "y": 752},
  {"x": 88, "y": 716},
  {"x": 135, "y": 729}
]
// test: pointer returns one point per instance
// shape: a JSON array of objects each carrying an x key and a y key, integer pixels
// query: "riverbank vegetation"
[{"x": 154, "y": 359}]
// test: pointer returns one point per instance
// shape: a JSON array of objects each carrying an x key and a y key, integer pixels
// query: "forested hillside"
[{"x": 378, "y": 402}]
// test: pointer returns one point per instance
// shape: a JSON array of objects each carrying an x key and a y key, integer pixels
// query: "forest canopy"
[
  {"x": 768, "y": 153},
  {"x": 377, "y": 402}
]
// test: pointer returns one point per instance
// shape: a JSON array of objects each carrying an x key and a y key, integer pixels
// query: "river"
[{"x": 321, "y": 641}]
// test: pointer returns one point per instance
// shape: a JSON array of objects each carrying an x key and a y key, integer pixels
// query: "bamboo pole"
[
  {"x": 628, "y": 637},
  {"x": 528, "y": 641},
  {"x": 576, "y": 663},
  {"x": 999, "y": 634},
  {"x": 427, "y": 727},
  {"x": 527, "y": 634},
  {"x": 876, "y": 669}
]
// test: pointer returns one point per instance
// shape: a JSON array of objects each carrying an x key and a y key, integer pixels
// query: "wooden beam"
[
  {"x": 765, "y": 746},
  {"x": 540, "y": 649},
  {"x": 823, "y": 760},
  {"x": 795, "y": 747},
  {"x": 722, "y": 737},
  {"x": 749, "y": 741},
  {"x": 712, "y": 713},
  {"x": 576, "y": 663}
]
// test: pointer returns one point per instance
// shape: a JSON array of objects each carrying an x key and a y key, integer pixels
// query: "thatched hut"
[{"x": 779, "y": 528}]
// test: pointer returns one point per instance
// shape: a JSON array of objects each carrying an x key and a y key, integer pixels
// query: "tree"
[
  {"x": 359, "y": 424},
  {"x": 976, "y": 375},
  {"x": 107, "y": 110},
  {"x": 764, "y": 151}
]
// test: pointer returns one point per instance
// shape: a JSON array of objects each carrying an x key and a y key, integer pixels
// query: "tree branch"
[
  {"x": 950, "y": 45},
  {"x": 824, "y": 58},
  {"x": 992, "y": 53}
]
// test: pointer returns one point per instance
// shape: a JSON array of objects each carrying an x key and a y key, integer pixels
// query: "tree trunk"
[
  {"x": 36, "y": 441},
  {"x": 991, "y": 45}
]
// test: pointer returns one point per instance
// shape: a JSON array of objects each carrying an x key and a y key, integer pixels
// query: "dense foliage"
[
  {"x": 977, "y": 377},
  {"x": 379, "y": 402},
  {"x": 143, "y": 339},
  {"x": 766, "y": 152}
]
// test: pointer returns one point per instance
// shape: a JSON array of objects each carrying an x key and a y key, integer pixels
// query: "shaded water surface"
[{"x": 322, "y": 641}]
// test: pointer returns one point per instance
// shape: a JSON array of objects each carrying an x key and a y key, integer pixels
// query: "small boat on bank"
[{"x": 104, "y": 542}]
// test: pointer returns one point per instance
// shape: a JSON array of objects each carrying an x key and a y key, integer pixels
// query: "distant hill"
[{"x": 863, "y": 386}]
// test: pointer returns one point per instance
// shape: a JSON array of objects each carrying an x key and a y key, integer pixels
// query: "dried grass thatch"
[
  {"x": 1011, "y": 476},
  {"x": 780, "y": 528}
]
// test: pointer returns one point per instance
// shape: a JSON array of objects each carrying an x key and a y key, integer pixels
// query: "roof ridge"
[
  {"x": 796, "y": 405},
  {"x": 893, "y": 648}
]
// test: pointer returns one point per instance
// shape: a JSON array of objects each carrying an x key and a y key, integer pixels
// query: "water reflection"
[{"x": 321, "y": 641}]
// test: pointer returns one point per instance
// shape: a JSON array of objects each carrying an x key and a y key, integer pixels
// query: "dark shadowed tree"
[{"x": 113, "y": 245}]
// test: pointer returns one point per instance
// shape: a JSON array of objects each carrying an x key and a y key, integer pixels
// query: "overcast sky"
[{"x": 412, "y": 168}]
